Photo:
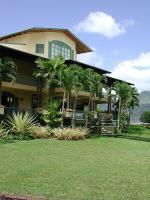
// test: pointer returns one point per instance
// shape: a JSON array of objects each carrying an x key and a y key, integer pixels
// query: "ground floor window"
[{"x": 9, "y": 99}]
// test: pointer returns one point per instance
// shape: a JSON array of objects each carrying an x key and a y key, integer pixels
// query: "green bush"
[
  {"x": 20, "y": 125},
  {"x": 52, "y": 116},
  {"x": 145, "y": 117},
  {"x": 123, "y": 122},
  {"x": 148, "y": 126},
  {"x": 70, "y": 133}
]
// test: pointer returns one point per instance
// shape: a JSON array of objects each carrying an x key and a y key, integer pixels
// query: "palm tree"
[
  {"x": 71, "y": 81},
  {"x": 133, "y": 102},
  {"x": 93, "y": 84},
  {"x": 8, "y": 72},
  {"x": 97, "y": 87},
  {"x": 78, "y": 82},
  {"x": 77, "y": 86},
  {"x": 123, "y": 92},
  {"x": 88, "y": 83},
  {"x": 50, "y": 71},
  {"x": 135, "y": 98}
]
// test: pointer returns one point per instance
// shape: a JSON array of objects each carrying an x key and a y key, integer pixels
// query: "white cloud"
[
  {"x": 91, "y": 58},
  {"x": 135, "y": 70},
  {"x": 104, "y": 24}
]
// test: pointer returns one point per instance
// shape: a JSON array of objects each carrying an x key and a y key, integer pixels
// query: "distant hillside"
[
  {"x": 144, "y": 105},
  {"x": 144, "y": 97}
]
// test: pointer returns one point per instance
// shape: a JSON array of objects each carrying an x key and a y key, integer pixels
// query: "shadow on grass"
[
  {"x": 133, "y": 137},
  {"x": 137, "y": 132}
]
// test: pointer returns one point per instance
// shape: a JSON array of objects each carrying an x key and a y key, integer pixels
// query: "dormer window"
[
  {"x": 60, "y": 48},
  {"x": 39, "y": 48}
]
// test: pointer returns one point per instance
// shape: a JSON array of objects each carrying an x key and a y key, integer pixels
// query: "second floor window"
[
  {"x": 60, "y": 48},
  {"x": 39, "y": 48}
]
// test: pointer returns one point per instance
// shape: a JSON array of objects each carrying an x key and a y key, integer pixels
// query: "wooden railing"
[{"x": 26, "y": 80}]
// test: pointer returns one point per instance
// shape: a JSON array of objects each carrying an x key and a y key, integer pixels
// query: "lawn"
[{"x": 97, "y": 168}]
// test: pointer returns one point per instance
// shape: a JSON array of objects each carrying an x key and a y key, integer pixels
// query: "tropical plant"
[
  {"x": 123, "y": 91},
  {"x": 40, "y": 132},
  {"x": 127, "y": 100},
  {"x": 70, "y": 133},
  {"x": 145, "y": 117},
  {"x": 8, "y": 71},
  {"x": 134, "y": 101},
  {"x": 93, "y": 84},
  {"x": 20, "y": 124},
  {"x": 123, "y": 122},
  {"x": 50, "y": 71},
  {"x": 3, "y": 131},
  {"x": 51, "y": 116}
]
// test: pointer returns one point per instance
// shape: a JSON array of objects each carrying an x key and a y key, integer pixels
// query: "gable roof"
[{"x": 81, "y": 47}]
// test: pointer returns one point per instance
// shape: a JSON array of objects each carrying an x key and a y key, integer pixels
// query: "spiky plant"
[
  {"x": 21, "y": 123},
  {"x": 3, "y": 130}
]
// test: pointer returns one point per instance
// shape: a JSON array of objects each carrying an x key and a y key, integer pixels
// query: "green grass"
[
  {"x": 97, "y": 168},
  {"x": 137, "y": 132}
]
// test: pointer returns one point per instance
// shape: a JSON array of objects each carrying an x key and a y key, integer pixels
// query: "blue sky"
[{"x": 118, "y": 31}]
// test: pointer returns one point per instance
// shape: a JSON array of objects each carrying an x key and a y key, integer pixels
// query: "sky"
[{"x": 117, "y": 31}]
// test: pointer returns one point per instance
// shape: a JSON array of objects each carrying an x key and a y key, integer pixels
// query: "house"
[{"x": 24, "y": 48}]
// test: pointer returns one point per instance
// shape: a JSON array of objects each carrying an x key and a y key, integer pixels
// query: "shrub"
[
  {"x": 3, "y": 131},
  {"x": 145, "y": 117},
  {"x": 148, "y": 126},
  {"x": 123, "y": 122},
  {"x": 70, "y": 133},
  {"x": 40, "y": 132},
  {"x": 20, "y": 124},
  {"x": 52, "y": 116}
]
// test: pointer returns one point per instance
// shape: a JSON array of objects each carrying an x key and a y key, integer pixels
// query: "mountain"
[
  {"x": 144, "y": 105},
  {"x": 144, "y": 97}
]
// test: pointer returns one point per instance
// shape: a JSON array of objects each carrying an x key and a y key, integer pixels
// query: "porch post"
[
  {"x": 39, "y": 92},
  {"x": 109, "y": 101}
]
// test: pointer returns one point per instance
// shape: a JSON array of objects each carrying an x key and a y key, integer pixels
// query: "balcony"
[{"x": 26, "y": 80}]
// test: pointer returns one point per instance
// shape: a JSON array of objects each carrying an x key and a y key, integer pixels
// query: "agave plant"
[{"x": 21, "y": 123}]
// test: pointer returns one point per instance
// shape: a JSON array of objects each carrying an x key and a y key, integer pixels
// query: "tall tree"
[
  {"x": 123, "y": 90},
  {"x": 134, "y": 101},
  {"x": 8, "y": 72},
  {"x": 124, "y": 94},
  {"x": 50, "y": 71},
  {"x": 93, "y": 83}
]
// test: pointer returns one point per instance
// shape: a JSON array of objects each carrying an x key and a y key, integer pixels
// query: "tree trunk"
[
  {"x": 119, "y": 112},
  {"x": 63, "y": 105},
  {"x": 74, "y": 110},
  {"x": 68, "y": 100}
]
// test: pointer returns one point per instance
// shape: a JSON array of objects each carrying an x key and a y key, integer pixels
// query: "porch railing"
[
  {"x": 26, "y": 80},
  {"x": 10, "y": 110}
]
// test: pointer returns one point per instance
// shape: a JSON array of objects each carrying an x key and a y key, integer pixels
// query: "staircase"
[{"x": 108, "y": 128}]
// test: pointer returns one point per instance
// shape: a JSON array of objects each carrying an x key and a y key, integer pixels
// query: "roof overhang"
[
  {"x": 97, "y": 69},
  {"x": 14, "y": 53},
  {"x": 81, "y": 47},
  {"x": 111, "y": 81}
]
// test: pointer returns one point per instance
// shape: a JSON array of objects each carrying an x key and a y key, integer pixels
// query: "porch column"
[
  {"x": 109, "y": 101},
  {"x": 39, "y": 92}
]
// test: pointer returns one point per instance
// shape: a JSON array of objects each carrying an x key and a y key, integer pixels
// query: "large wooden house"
[{"x": 24, "y": 48}]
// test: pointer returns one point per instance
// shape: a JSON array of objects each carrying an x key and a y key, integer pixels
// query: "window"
[
  {"x": 60, "y": 48},
  {"x": 40, "y": 48}
]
